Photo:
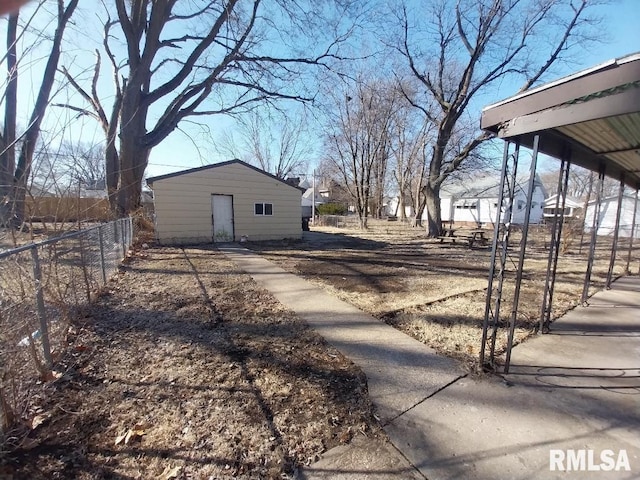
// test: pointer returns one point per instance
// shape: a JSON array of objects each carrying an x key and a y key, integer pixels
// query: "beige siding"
[{"x": 183, "y": 205}]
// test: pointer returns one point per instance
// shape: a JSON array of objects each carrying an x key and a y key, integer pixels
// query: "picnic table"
[{"x": 470, "y": 237}]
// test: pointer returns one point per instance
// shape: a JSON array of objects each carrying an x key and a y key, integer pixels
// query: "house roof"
[
  {"x": 151, "y": 180},
  {"x": 487, "y": 186},
  {"x": 614, "y": 198},
  {"x": 593, "y": 114},
  {"x": 569, "y": 202}
]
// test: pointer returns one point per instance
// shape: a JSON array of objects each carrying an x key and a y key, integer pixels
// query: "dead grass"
[
  {"x": 437, "y": 292},
  {"x": 209, "y": 374}
]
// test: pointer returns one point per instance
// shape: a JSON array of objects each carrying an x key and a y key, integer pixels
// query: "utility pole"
[{"x": 313, "y": 199}]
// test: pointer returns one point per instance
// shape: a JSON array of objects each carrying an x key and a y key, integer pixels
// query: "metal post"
[
  {"x": 42, "y": 314},
  {"x": 102, "y": 263},
  {"x": 500, "y": 241},
  {"x": 633, "y": 230},
  {"x": 130, "y": 230},
  {"x": 492, "y": 264},
  {"x": 122, "y": 239},
  {"x": 523, "y": 248},
  {"x": 313, "y": 201},
  {"x": 556, "y": 238},
  {"x": 116, "y": 231},
  {"x": 504, "y": 247},
  {"x": 584, "y": 210},
  {"x": 595, "y": 224},
  {"x": 616, "y": 234}
]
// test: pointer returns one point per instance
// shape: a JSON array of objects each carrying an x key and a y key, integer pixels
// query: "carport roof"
[{"x": 595, "y": 113}]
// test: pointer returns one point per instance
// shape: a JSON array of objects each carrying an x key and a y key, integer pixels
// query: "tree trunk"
[
  {"x": 112, "y": 171},
  {"x": 8, "y": 140},
  {"x": 31, "y": 135},
  {"x": 434, "y": 217},
  {"x": 134, "y": 154},
  {"x": 133, "y": 160}
]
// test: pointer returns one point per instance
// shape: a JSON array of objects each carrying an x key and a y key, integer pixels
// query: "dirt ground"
[
  {"x": 185, "y": 368},
  {"x": 437, "y": 292}
]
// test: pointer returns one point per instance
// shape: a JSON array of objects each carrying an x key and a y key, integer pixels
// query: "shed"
[
  {"x": 224, "y": 202},
  {"x": 607, "y": 219}
]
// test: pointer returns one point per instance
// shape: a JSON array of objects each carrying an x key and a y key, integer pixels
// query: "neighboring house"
[
  {"x": 475, "y": 201},
  {"x": 224, "y": 202},
  {"x": 308, "y": 201},
  {"x": 572, "y": 207},
  {"x": 607, "y": 223}
]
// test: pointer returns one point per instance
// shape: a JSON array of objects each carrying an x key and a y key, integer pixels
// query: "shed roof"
[
  {"x": 151, "y": 180},
  {"x": 595, "y": 113}
]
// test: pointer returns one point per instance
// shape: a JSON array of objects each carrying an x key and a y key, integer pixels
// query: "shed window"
[{"x": 263, "y": 208}]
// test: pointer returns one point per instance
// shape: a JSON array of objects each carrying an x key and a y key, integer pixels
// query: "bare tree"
[
  {"x": 202, "y": 58},
  {"x": 411, "y": 134},
  {"x": 359, "y": 141},
  {"x": 108, "y": 123},
  {"x": 463, "y": 51},
  {"x": 14, "y": 176},
  {"x": 276, "y": 143},
  {"x": 579, "y": 184}
]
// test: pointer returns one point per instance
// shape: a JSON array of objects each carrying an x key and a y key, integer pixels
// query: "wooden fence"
[{"x": 67, "y": 209}]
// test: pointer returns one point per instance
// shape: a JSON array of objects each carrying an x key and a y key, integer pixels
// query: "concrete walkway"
[{"x": 577, "y": 388}]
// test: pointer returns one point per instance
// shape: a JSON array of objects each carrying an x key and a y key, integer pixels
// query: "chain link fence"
[{"x": 42, "y": 286}]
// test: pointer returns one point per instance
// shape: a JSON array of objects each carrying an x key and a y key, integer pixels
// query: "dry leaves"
[
  {"x": 169, "y": 473},
  {"x": 131, "y": 434}
]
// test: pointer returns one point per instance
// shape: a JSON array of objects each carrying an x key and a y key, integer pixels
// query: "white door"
[{"x": 222, "y": 217}]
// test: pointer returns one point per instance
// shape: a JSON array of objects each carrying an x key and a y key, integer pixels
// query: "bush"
[{"x": 332, "y": 209}]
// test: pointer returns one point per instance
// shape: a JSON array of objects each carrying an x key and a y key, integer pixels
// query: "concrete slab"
[
  {"x": 365, "y": 458},
  {"x": 577, "y": 388},
  {"x": 484, "y": 429},
  {"x": 401, "y": 371}
]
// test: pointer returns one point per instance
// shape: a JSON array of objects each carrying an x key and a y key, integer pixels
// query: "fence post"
[
  {"x": 116, "y": 232},
  {"x": 102, "y": 264},
  {"x": 122, "y": 239},
  {"x": 42, "y": 315}
]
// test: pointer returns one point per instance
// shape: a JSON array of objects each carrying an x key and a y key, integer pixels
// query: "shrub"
[{"x": 332, "y": 209}]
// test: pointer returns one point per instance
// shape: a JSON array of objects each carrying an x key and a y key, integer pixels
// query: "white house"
[
  {"x": 607, "y": 223},
  {"x": 224, "y": 202},
  {"x": 475, "y": 201},
  {"x": 572, "y": 207}
]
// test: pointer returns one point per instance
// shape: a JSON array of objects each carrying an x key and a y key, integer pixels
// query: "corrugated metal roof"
[{"x": 596, "y": 113}]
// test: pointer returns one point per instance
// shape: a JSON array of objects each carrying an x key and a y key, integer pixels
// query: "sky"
[
  {"x": 192, "y": 146},
  {"x": 622, "y": 30}
]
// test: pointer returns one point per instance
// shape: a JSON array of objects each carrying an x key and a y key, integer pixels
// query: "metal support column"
[
  {"x": 595, "y": 224},
  {"x": 616, "y": 236},
  {"x": 499, "y": 249},
  {"x": 523, "y": 250},
  {"x": 633, "y": 230},
  {"x": 556, "y": 238}
]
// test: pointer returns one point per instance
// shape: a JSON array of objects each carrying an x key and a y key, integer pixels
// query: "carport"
[{"x": 590, "y": 119}]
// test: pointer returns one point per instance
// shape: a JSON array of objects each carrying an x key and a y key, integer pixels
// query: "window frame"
[{"x": 264, "y": 207}]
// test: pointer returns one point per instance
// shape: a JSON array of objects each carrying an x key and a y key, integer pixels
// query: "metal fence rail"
[{"x": 42, "y": 286}]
